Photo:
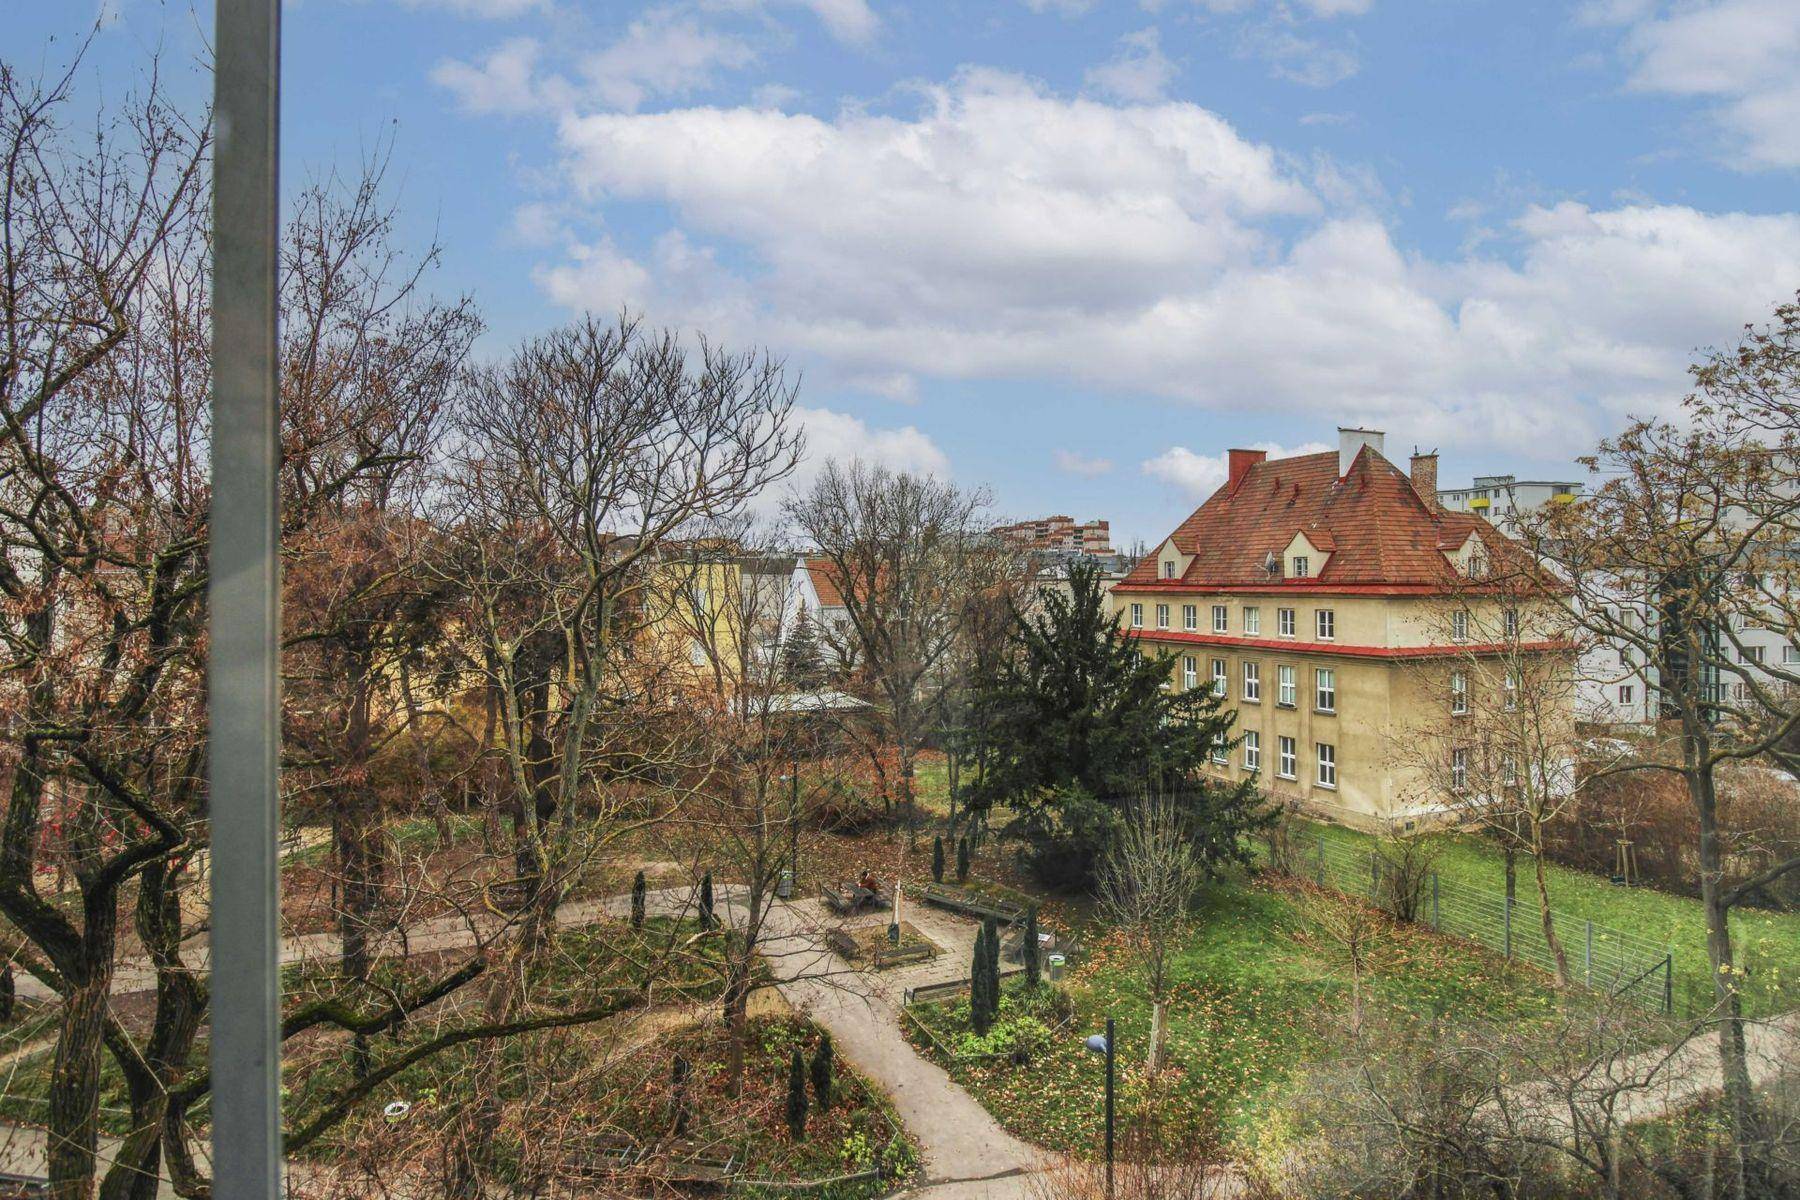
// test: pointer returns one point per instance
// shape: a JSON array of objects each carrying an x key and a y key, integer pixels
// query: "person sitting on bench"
[{"x": 868, "y": 882}]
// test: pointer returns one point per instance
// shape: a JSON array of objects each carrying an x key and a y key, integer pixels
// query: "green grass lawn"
[
  {"x": 1767, "y": 943},
  {"x": 1256, "y": 998}
]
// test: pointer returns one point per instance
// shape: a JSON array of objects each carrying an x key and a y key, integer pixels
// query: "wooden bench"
[
  {"x": 692, "y": 1165},
  {"x": 973, "y": 904},
  {"x": 23, "y": 1187},
  {"x": 893, "y": 956},
  {"x": 841, "y": 943},
  {"x": 847, "y": 901}
]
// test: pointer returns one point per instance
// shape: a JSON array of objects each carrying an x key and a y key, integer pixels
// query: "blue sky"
[{"x": 1073, "y": 251}]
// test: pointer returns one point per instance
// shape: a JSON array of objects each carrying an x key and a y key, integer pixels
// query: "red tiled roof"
[
  {"x": 825, "y": 582},
  {"x": 1378, "y": 530}
]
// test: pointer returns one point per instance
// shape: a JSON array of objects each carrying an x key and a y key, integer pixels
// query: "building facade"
[
  {"x": 1504, "y": 499},
  {"x": 1060, "y": 533},
  {"x": 1318, "y": 595}
]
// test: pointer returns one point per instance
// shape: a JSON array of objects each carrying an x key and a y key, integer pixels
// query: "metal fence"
[{"x": 1598, "y": 956}]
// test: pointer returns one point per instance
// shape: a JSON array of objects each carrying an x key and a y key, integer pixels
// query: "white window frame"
[
  {"x": 1162, "y": 616},
  {"x": 1220, "y": 755},
  {"x": 1221, "y": 619},
  {"x": 1510, "y": 691},
  {"x": 1252, "y": 681},
  {"x": 1190, "y": 673},
  {"x": 1459, "y": 770},
  {"x": 1627, "y": 693},
  {"x": 1284, "y": 622},
  {"x": 1324, "y": 692},
  {"x": 1510, "y": 622},
  {"x": 1302, "y": 567},
  {"x": 1459, "y": 625},
  {"x": 1325, "y": 624},
  {"x": 1459, "y": 694},
  {"x": 1252, "y": 621},
  {"x": 1168, "y": 568},
  {"x": 1137, "y": 615},
  {"x": 1190, "y": 616},
  {"x": 1325, "y": 771},
  {"x": 1252, "y": 750},
  {"x": 1287, "y": 758},
  {"x": 1287, "y": 690},
  {"x": 1221, "y": 676}
]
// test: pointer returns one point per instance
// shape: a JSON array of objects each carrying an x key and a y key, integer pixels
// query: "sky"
[{"x": 1072, "y": 250}]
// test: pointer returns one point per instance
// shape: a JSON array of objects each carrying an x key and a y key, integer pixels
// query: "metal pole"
[
  {"x": 1110, "y": 1050},
  {"x": 794, "y": 817},
  {"x": 1506, "y": 903},
  {"x": 1437, "y": 921},
  {"x": 244, "y": 712},
  {"x": 1587, "y": 959}
]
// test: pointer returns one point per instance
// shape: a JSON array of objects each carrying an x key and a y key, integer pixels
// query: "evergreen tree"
[
  {"x": 796, "y": 1097},
  {"x": 937, "y": 859},
  {"x": 802, "y": 662},
  {"x": 8, "y": 993},
  {"x": 991, "y": 928},
  {"x": 962, "y": 859},
  {"x": 637, "y": 901},
  {"x": 821, "y": 1073},
  {"x": 706, "y": 901},
  {"x": 1079, "y": 718},
  {"x": 979, "y": 1018},
  {"x": 1033, "y": 968}
]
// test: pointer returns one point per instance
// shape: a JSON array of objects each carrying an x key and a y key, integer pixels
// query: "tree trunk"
[
  {"x": 74, "y": 1099},
  {"x": 1557, "y": 954},
  {"x": 1728, "y": 1004},
  {"x": 1159, "y": 1013}
]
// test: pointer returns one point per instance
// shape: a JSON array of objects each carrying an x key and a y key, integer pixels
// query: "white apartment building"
[{"x": 1502, "y": 499}]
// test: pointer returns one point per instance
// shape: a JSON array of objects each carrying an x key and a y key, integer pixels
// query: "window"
[
  {"x": 1790, "y": 654},
  {"x": 1325, "y": 624},
  {"x": 1252, "y": 751},
  {"x": 1137, "y": 616},
  {"x": 1627, "y": 693},
  {"x": 1162, "y": 616},
  {"x": 1511, "y": 700},
  {"x": 1252, "y": 621},
  {"x": 1190, "y": 673},
  {"x": 1459, "y": 626},
  {"x": 1287, "y": 762},
  {"x": 1284, "y": 687},
  {"x": 1190, "y": 616},
  {"x": 1168, "y": 570},
  {"x": 1326, "y": 698},
  {"x": 1218, "y": 751},
  {"x": 1509, "y": 769},
  {"x": 1753, "y": 654},
  {"x": 1459, "y": 693},
  {"x": 1301, "y": 567},
  {"x": 1221, "y": 619},
  {"x": 1512, "y": 622},
  {"x": 1220, "y": 681},
  {"x": 1284, "y": 622},
  {"x": 1327, "y": 760},
  {"x": 1459, "y": 770},
  {"x": 1252, "y": 681}
]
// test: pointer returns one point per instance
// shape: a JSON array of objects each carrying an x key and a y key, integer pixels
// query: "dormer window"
[
  {"x": 1302, "y": 568},
  {"x": 1168, "y": 570}
]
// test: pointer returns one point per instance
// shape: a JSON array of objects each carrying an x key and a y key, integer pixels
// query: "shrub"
[
  {"x": 821, "y": 1072},
  {"x": 1033, "y": 970},
  {"x": 706, "y": 901},
  {"x": 962, "y": 859},
  {"x": 638, "y": 889},
  {"x": 981, "y": 1011},
  {"x": 1405, "y": 863},
  {"x": 796, "y": 1097},
  {"x": 841, "y": 807},
  {"x": 937, "y": 859}
]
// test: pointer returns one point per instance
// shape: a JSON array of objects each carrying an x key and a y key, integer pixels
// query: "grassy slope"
[{"x": 1768, "y": 944}]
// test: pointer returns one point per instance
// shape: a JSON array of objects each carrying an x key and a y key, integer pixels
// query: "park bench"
[
  {"x": 23, "y": 1187},
  {"x": 849, "y": 900},
  {"x": 1012, "y": 947},
  {"x": 893, "y": 956},
  {"x": 689, "y": 1164},
  {"x": 841, "y": 943},
  {"x": 973, "y": 904},
  {"x": 610, "y": 1154}
]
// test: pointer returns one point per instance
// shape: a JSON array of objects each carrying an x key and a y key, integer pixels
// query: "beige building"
[{"x": 1323, "y": 596}]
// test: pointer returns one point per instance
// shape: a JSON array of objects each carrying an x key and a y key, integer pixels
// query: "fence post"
[
  {"x": 1587, "y": 958},
  {"x": 1321, "y": 860},
  {"x": 1507, "y": 906},
  {"x": 1436, "y": 921},
  {"x": 1375, "y": 880},
  {"x": 1669, "y": 984}
]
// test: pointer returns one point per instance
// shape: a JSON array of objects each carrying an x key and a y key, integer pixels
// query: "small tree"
[
  {"x": 822, "y": 1072},
  {"x": 1349, "y": 931},
  {"x": 1147, "y": 880},
  {"x": 937, "y": 858},
  {"x": 962, "y": 859},
  {"x": 638, "y": 889},
  {"x": 796, "y": 1097},
  {"x": 981, "y": 1016},
  {"x": 1033, "y": 967},
  {"x": 706, "y": 901},
  {"x": 678, "y": 1094},
  {"x": 991, "y": 963}
]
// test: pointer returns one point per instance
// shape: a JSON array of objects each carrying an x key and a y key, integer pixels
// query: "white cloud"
[
  {"x": 1739, "y": 54},
  {"x": 1297, "y": 58},
  {"x": 1139, "y": 73},
  {"x": 506, "y": 81},
  {"x": 662, "y": 54},
  {"x": 841, "y": 437},
  {"x": 1079, "y": 464},
  {"x": 848, "y": 20},
  {"x": 1199, "y": 475},
  {"x": 1003, "y": 232}
]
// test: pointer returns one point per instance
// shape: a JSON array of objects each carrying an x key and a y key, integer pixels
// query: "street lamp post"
[
  {"x": 794, "y": 815},
  {"x": 1103, "y": 1044}
]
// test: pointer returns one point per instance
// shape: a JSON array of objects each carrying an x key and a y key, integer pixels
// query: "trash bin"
[
  {"x": 1056, "y": 966},
  {"x": 784, "y": 887}
]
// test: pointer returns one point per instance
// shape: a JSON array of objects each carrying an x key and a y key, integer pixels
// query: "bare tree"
[
  {"x": 907, "y": 553},
  {"x": 1147, "y": 883},
  {"x": 1349, "y": 932}
]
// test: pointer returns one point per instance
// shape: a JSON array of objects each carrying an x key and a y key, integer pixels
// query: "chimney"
[
  {"x": 1424, "y": 479},
  {"x": 1351, "y": 440},
  {"x": 1238, "y": 464}
]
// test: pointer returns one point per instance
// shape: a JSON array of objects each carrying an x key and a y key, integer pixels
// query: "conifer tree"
[
  {"x": 706, "y": 901},
  {"x": 992, "y": 928},
  {"x": 637, "y": 901},
  {"x": 822, "y": 1068},
  {"x": 937, "y": 859},
  {"x": 962, "y": 859},
  {"x": 796, "y": 1097},
  {"x": 978, "y": 1014}
]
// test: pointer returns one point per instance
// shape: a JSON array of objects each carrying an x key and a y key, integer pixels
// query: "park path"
[{"x": 966, "y": 1154}]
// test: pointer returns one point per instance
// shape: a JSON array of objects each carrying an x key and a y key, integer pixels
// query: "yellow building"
[{"x": 1323, "y": 596}]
